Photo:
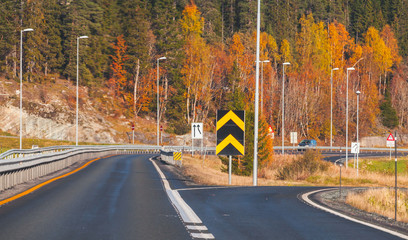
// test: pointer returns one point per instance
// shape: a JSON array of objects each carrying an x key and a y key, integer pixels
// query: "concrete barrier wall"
[{"x": 168, "y": 157}]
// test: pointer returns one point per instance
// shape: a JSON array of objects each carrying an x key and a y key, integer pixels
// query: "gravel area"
[{"x": 331, "y": 199}]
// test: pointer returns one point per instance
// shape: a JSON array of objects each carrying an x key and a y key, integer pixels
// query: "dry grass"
[
  {"x": 209, "y": 173},
  {"x": 381, "y": 201}
]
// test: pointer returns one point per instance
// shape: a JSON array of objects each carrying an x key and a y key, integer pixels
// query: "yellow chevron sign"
[
  {"x": 230, "y": 132},
  {"x": 230, "y": 140},
  {"x": 231, "y": 116}
]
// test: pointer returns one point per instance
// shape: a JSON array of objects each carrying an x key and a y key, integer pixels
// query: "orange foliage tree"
[{"x": 118, "y": 82}]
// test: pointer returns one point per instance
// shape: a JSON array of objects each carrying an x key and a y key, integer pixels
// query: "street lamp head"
[
  {"x": 162, "y": 58},
  {"x": 82, "y": 37},
  {"x": 334, "y": 69},
  {"x": 286, "y": 63},
  {"x": 358, "y": 92},
  {"x": 265, "y": 61},
  {"x": 350, "y": 69},
  {"x": 28, "y": 30}
]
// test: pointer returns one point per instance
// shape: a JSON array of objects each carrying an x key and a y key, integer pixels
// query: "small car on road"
[{"x": 307, "y": 143}]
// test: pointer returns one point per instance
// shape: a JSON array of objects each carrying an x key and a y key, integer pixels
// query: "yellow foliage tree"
[
  {"x": 380, "y": 53},
  {"x": 197, "y": 65},
  {"x": 285, "y": 52}
]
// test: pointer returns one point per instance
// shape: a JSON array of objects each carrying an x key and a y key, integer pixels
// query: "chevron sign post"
[
  {"x": 230, "y": 135},
  {"x": 230, "y": 132}
]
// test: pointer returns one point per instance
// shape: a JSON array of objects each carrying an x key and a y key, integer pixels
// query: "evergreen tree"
[
  {"x": 388, "y": 113},
  {"x": 83, "y": 17},
  {"x": 246, "y": 15},
  {"x": 53, "y": 43},
  {"x": 358, "y": 19},
  {"x": 166, "y": 28},
  {"x": 213, "y": 19},
  {"x": 9, "y": 20},
  {"x": 265, "y": 144},
  {"x": 138, "y": 35},
  {"x": 401, "y": 26},
  {"x": 228, "y": 15}
]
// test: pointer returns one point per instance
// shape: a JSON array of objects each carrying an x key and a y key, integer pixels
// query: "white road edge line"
[
  {"x": 305, "y": 198},
  {"x": 187, "y": 214}
]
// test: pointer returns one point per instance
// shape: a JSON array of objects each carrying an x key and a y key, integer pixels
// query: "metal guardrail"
[
  {"x": 339, "y": 149},
  {"x": 19, "y": 166}
]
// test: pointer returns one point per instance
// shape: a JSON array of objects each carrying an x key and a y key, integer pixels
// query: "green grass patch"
[
  {"x": 5, "y": 134},
  {"x": 384, "y": 166},
  {"x": 325, "y": 180}
]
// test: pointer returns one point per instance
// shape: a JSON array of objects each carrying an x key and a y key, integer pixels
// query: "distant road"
[
  {"x": 3, "y": 136},
  {"x": 122, "y": 197}
]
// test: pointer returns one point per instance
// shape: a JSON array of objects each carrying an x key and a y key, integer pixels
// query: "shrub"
[{"x": 304, "y": 167}]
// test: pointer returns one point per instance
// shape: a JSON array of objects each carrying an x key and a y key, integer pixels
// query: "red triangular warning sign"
[{"x": 390, "y": 137}]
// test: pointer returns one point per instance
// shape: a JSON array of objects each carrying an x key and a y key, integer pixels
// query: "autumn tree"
[
  {"x": 118, "y": 82},
  {"x": 379, "y": 54}
]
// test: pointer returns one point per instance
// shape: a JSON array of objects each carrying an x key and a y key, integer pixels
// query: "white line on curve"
[{"x": 305, "y": 198}]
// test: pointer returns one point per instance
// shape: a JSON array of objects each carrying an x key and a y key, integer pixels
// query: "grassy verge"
[
  {"x": 384, "y": 165},
  {"x": 381, "y": 201},
  {"x": 289, "y": 170}
]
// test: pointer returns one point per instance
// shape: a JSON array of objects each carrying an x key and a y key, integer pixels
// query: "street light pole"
[
  {"x": 358, "y": 99},
  {"x": 77, "y": 86},
  {"x": 256, "y": 117},
  {"x": 158, "y": 103},
  {"x": 331, "y": 107},
  {"x": 348, "y": 69},
  {"x": 283, "y": 106},
  {"x": 21, "y": 84}
]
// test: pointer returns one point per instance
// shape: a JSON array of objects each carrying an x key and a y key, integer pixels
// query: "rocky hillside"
[{"x": 49, "y": 113}]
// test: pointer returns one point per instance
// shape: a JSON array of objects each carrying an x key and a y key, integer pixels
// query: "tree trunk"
[
  {"x": 15, "y": 61},
  {"x": 136, "y": 78},
  {"x": 188, "y": 104}
]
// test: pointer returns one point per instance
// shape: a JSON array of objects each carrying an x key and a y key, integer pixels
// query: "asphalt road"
[{"x": 122, "y": 197}]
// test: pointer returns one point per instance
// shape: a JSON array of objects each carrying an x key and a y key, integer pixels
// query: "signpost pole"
[
  {"x": 229, "y": 170},
  {"x": 396, "y": 186},
  {"x": 340, "y": 179},
  {"x": 390, "y": 152},
  {"x": 133, "y": 133}
]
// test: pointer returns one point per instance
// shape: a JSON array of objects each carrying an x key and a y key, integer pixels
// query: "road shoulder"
[{"x": 329, "y": 201}]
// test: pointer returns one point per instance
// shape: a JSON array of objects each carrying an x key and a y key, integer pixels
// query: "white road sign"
[
  {"x": 293, "y": 137},
  {"x": 197, "y": 131},
  {"x": 390, "y": 141},
  {"x": 355, "y": 147}
]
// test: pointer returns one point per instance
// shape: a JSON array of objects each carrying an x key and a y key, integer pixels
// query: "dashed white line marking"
[
  {"x": 201, "y": 228},
  {"x": 203, "y": 235},
  {"x": 188, "y": 216}
]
